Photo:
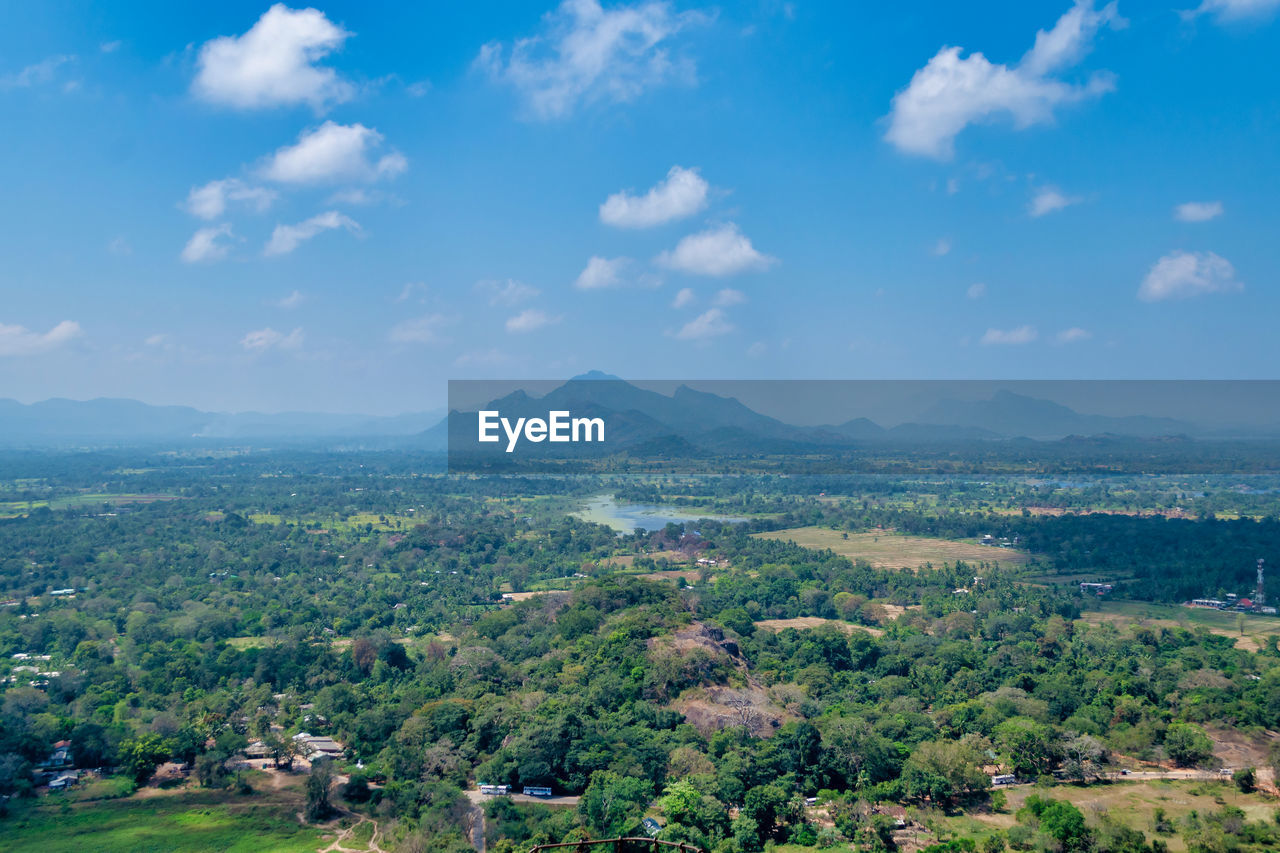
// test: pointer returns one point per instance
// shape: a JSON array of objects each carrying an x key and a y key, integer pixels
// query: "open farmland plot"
[
  {"x": 889, "y": 550},
  {"x": 188, "y": 822},
  {"x": 1249, "y": 631},
  {"x": 1134, "y": 804}
]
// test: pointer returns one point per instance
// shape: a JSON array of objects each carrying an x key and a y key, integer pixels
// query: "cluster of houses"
[
  {"x": 38, "y": 677},
  {"x": 311, "y": 747},
  {"x": 998, "y": 542},
  {"x": 1233, "y": 603},
  {"x": 57, "y": 771}
]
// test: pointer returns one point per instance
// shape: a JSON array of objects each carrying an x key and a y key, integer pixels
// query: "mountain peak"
[{"x": 595, "y": 376}]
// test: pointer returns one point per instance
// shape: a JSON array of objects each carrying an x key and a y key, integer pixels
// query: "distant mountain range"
[
  {"x": 640, "y": 421},
  {"x": 691, "y": 422},
  {"x": 104, "y": 421}
]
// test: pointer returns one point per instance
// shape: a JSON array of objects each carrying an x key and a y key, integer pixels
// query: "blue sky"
[{"x": 241, "y": 206}]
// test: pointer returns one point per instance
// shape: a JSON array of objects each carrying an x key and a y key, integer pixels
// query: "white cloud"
[
  {"x": 601, "y": 273},
  {"x": 1234, "y": 10},
  {"x": 261, "y": 340},
  {"x": 976, "y": 291},
  {"x": 507, "y": 294},
  {"x": 1020, "y": 335},
  {"x": 1180, "y": 275},
  {"x": 120, "y": 246},
  {"x": 683, "y": 298},
  {"x": 274, "y": 63},
  {"x": 19, "y": 340},
  {"x": 1049, "y": 200},
  {"x": 588, "y": 54},
  {"x": 942, "y": 247},
  {"x": 683, "y": 193},
  {"x": 293, "y": 300},
  {"x": 419, "y": 330},
  {"x": 157, "y": 340},
  {"x": 1198, "y": 211},
  {"x": 110, "y": 46},
  {"x": 951, "y": 92},
  {"x": 34, "y": 75},
  {"x": 530, "y": 319},
  {"x": 1075, "y": 333},
  {"x": 728, "y": 296},
  {"x": 210, "y": 201},
  {"x": 286, "y": 238},
  {"x": 333, "y": 152},
  {"x": 410, "y": 288},
  {"x": 718, "y": 251},
  {"x": 207, "y": 245},
  {"x": 757, "y": 349},
  {"x": 709, "y": 324}
]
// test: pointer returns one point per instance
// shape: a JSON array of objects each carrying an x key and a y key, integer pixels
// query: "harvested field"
[
  {"x": 804, "y": 623},
  {"x": 889, "y": 550}
]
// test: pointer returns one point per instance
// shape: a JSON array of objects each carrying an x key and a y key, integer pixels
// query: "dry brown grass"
[
  {"x": 890, "y": 550},
  {"x": 804, "y": 623}
]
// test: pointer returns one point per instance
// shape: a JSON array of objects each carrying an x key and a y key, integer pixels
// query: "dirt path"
[{"x": 337, "y": 846}]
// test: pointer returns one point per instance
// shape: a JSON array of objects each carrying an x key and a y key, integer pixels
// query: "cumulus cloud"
[
  {"x": 419, "y": 330},
  {"x": 333, "y": 152},
  {"x": 1019, "y": 335},
  {"x": 1227, "y": 11},
  {"x": 940, "y": 248},
  {"x": 1197, "y": 211},
  {"x": 976, "y": 290},
  {"x": 19, "y": 340},
  {"x": 207, "y": 244},
  {"x": 682, "y": 193},
  {"x": 286, "y": 238},
  {"x": 728, "y": 296},
  {"x": 530, "y": 319},
  {"x": 261, "y": 340},
  {"x": 1075, "y": 333},
  {"x": 587, "y": 54},
  {"x": 1049, "y": 200},
  {"x": 601, "y": 272},
  {"x": 1181, "y": 275},
  {"x": 211, "y": 200},
  {"x": 683, "y": 297},
  {"x": 274, "y": 63},
  {"x": 36, "y": 74},
  {"x": 711, "y": 323},
  {"x": 951, "y": 92},
  {"x": 507, "y": 293},
  {"x": 718, "y": 251}
]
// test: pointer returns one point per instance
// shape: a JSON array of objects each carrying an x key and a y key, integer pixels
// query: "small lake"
[{"x": 626, "y": 518}]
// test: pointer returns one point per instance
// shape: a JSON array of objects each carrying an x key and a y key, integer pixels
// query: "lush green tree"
[
  {"x": 613, "y": 804},
  {"x": 1187, "y": 745},
  {"x": 318, "y": 782}
]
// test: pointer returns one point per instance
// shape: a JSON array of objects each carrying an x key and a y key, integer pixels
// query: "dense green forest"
[{"x": 744, "y": 692}]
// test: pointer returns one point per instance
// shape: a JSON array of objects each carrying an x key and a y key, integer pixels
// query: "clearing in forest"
[
  {"x": 887, "y": 549},
  {"x": 805, "y": 623},
  {"x": 1251, "y": 632}
]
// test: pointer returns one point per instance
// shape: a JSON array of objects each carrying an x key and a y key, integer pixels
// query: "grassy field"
[
  {"x": 85, "y": 500},
  {"x": 359, "y": 519},
  {"x": 1256, "y": 629},
  {"x": 890, "y": 550},
  {"x": 185, "y": 822},
  {"x": 1133, "y": 804}
]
